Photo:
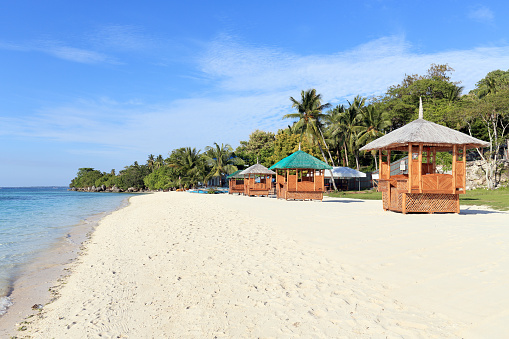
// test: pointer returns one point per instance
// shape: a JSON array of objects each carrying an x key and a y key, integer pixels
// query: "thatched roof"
[
  {"x": 300, "y": 159},
  {"x": 235, "y": 175},
  {"x": 257, "y": 169},
  {"x": 427, "y": 132}
]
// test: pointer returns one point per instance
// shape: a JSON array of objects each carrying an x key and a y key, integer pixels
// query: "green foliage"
[
  {"x": 161, "y": 178},
  {"x": 286, "y": 144},
  {"x": 86, "y": 177},
  {"x": 107, "y": 179},
  {"x": 221, "y": 160},
  {"x": 132, "y": 176},
  {"x": 190, "y": 167},
  {"x": 259, "y": 147},
  {"x": 445, "y": 160},
  {"x": 492, "y": 83},
  {"x": 401, "y": 101}
]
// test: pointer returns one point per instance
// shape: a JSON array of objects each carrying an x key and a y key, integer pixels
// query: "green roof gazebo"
[
  {"x": 300, "y": 176},
  {"x": 235, "y": 183}
]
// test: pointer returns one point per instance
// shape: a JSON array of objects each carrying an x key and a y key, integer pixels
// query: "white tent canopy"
[{"x": 345, "y": 172}]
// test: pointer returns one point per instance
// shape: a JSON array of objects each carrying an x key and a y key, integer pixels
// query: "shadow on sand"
[
  {"x": 474, "y": 210},
  {"x": 344, "y": 200}
]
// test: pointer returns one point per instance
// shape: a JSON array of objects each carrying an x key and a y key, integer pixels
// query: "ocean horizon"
[{"x": 34, "y": 218}]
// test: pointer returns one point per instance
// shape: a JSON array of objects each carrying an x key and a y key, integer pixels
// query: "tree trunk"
[
  {"x": 346, "y": 155},
  {"x": 330, "y": 155},
  {"x": 332, "y": 176}
]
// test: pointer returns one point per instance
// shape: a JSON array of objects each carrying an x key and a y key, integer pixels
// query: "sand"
[{"x": 181, "y": 265}]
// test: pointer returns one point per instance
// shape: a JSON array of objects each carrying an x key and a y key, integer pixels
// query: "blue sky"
[{"x": 105, "y": 83}]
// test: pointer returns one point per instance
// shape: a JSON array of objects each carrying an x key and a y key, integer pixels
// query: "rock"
[{"x": 37, "y": 307}]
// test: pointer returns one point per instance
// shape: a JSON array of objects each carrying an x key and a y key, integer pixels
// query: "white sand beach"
[{"x": 180, "y": 265}]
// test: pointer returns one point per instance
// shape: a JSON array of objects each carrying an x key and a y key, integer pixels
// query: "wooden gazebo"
[
  {"x": 300, "y": 176},
  {"x": 235, "y": 183},
  {"x": 423, "y": 189},
  {"x": 257, "y": 180}
]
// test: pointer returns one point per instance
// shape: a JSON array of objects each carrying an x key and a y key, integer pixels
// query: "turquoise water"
[{"x": 31, "y": 219}]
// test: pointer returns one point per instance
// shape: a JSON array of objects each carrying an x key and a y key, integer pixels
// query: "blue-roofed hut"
[{"x": 300, "y": 176}]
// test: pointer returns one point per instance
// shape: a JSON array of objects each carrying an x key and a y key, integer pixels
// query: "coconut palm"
[
  {"x": 221, "y": 160},
  {"x": 150, "y": 162},
  {"x": 348, "y": 124},
  {"x": 334, "y": 131},
  {"x": 159, "y": 162},
  {"x": 309, "y": 113},
  {"x": 190, "y": 165}
]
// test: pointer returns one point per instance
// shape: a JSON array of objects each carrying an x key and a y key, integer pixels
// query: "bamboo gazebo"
[
  {"x": 257, "y": 180},
  {"x": 235, "y": 183},
  {"x": 300, "y": 176},
  {"x": 423, "y": 189}
]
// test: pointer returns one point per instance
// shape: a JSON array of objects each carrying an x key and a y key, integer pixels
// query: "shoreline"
[{"x": 34, "y": 282}]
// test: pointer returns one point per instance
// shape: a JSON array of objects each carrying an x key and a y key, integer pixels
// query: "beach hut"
[
  {"x": 422, "y": 189},
  {"x": 257, "y": 180},
  {"x": 300, "y": 176},
  {"x": 235, "y": 183}
]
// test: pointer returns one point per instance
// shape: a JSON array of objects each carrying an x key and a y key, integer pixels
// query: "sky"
[{"x": 105, "y": 83}]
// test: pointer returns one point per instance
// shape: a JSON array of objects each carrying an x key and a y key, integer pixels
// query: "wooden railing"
[{"x": 305, "y": 185}]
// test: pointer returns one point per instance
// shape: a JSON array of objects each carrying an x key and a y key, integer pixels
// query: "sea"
[{"x": 34, "y": 218}]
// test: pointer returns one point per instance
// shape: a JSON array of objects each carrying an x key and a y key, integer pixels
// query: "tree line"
[{"x": 333, "y": 134}]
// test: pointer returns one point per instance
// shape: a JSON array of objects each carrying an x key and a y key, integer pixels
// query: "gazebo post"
[
  {"x": 454, "y": 154},
  {"x": 381, "y": 162},
  {"x": 434, "y": 160},
  {"x": 409, "y": 167},
  {"x": 465, "y": 168},
  {"x": 420, "y": 167},
  {"x": 389, "y": 162},
  {"x": 296, "y": 180},
  {"x": 323, "y": 178}
]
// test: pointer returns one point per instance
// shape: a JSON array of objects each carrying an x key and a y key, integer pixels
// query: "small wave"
[{"x": 5, "y": 302}]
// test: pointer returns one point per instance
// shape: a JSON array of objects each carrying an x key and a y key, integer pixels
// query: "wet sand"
[{"x": 197, "y": 265}]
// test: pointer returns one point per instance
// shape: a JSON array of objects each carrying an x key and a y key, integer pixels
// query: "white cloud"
[
  {"x": 482, "y": 14},
  {"x": 367, "y": 70},
  {"x": 75, "y": 54},
  {"x": 59, "y": 50}
]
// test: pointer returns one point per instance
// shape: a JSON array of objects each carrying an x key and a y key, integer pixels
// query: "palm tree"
[
  {"x": 159, "y": 162},
  {"x": 334, "y": 131},
  {"x": 373, "y": 123},
  {"x": 190, "y": 165},
  {"x": 454, "y": 94},
  {"x": 309, "y": 113},
  {"x": 150, "y": 162},
  {"x": 222, "y": 161},
  {"x": 348, "y": 124}
]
